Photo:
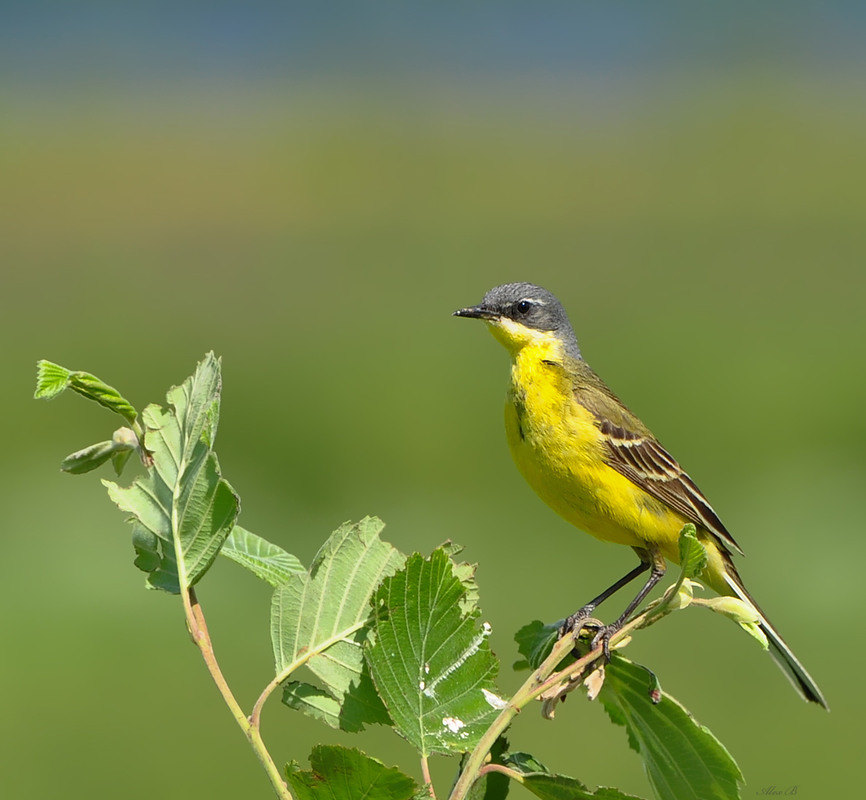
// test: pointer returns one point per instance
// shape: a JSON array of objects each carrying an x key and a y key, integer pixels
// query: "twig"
[
  {"x": 281, "y": 676},
  {"x": 425, "y": 774},
  {"x": 198, "y": 631},
  {"x": 503, "y": 770},
  {"x": 543, "y": 680}
]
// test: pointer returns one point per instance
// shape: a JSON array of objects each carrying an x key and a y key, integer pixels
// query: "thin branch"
[
  {"x": 543, "y": 680},
  {"x": 425, "y": 774},
  {"x": 524, "y": 695},
  {"x": 283, "y": 674},
  {"x": 256, "y": 716},
  {"x": 503, "y": 770},
  {"x": 198, "y": 631}
]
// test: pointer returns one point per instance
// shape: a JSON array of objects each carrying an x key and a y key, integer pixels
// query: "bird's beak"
[{"x": 476, "y": 312}]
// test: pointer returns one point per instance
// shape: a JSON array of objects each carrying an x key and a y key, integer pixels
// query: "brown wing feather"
[
  {"x": 636, "y": 454},
  {"x": 647, "y": 464}
]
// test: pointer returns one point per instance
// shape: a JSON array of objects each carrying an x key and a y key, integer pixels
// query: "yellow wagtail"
[{"x": 598, "y": 466}]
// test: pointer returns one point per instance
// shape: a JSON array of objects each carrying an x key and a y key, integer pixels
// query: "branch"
[
  {"x": 550, "y": 685},
  {"x": 425, "y": 774},
  {"x": 284, "y": 674},
  {"x": 198, "y": 631}
]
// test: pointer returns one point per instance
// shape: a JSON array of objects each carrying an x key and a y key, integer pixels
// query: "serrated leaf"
[
  {"x": 314, "y": 702},
  {"x": 93, "y": 388},
  {"x": 52, "y": 380},
  {"x": 319, "y": 619},
  {"x": 683, "y": 760},
  {"x": 525, "y": 763},
  {"x": 155, "y": 559},
  {"x": 339, "y": 773},
  {"x": 466, "y": 573},
  {"x": 431, "y": 664},
  {"x": 693, "y": 555},
  {"x": 534, "y": 643},
  {"x": 266, "y": 560},
  {"x": 357, "y": 708},
  {"x": 182, "y": 501}
]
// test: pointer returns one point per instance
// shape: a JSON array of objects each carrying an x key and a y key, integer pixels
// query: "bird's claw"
[
  {"x": 581, "y": 625},
  {"x": 603, "y": 638},
  {"x": 601, "y": 634},
  {"x": 574, "y": 623}
]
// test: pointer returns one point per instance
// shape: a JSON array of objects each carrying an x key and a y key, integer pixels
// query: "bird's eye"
[{"x": 523, "y": 306}]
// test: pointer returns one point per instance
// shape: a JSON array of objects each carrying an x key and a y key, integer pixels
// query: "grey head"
[{"x": 529, "y": 305}]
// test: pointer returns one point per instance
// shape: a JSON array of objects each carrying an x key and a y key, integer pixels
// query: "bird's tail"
[{"x": 782, "y": 654}]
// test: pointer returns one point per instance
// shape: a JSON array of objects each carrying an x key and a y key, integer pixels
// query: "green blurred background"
[{"x": 310, "y": 191}]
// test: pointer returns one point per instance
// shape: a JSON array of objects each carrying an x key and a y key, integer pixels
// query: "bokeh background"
[{"x": 310, "y": 190}]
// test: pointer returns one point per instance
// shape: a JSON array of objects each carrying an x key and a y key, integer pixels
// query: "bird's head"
[{"x": 521, "y": 314}]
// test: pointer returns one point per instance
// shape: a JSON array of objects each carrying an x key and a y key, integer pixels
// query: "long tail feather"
[{"x": 782, "y": 654}]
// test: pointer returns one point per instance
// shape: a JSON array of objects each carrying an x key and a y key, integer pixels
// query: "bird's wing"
[
  {"x": 647, "y": 464},
  {"x": 636, "y": 454}
]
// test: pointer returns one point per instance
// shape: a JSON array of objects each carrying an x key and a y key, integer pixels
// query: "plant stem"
[
  {"x": 502, "y": 770},
  {"x": 281, "y": 676},
  {"x": 425, "y": 774},
  {"x": 543, "y": 679},
  {"x": 198, "y": 631},
  {"x": 523, "y": 696},
  {"x": 256, "y": 716}
]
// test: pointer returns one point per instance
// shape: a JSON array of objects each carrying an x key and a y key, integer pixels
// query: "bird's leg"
[
  {"x": 649, "y": 559},
  {"x": 603, "y": 636},
  {"x": 578, "y": 616}
]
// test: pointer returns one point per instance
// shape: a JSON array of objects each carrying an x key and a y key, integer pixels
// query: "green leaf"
[
  {"x": 118, "y": 448},
  {"x": 317, "y": 703},
  {"x": 430, "y": 662},
  {"x": 466, "y": 573},
  {"x": 52, "y": 379},
  {"x": 683, "y": 760},
  {"x": 87, "y": 459},
  {"x": 155, "y": 559},
  {"x": 339, "y": 773},
  {"x": 534, "y": 643},
  {"x": 119, "y": 459},
  {"x": 182, "y": 503},
  {"x": 744, "y": 614},
  {"x": 693, "y": 556},
  {"x": 548, "y": 786},
  {"x": 264, "y": 559},
  {"x": 320, "y": 619},
  {"x": 358, "y": 707}
]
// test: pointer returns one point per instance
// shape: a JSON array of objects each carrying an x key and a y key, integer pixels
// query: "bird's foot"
[
  {"x": 581, "y": 622},
  {"x": 603, "y": 637},
  {"x": 574, "y": 623}
]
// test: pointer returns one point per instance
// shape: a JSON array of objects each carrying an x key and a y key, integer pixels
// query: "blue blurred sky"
[{"x": 46, "y": 45}]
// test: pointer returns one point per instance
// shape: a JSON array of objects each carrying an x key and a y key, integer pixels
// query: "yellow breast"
[{"x": 560, "y": 450}]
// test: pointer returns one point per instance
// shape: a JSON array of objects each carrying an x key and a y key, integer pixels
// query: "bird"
[{"x": 598, "y": 466}]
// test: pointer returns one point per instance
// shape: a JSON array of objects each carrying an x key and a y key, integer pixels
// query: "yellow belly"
[{"x": 561, "y": 452}]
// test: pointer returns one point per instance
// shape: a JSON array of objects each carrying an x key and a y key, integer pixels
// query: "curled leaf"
[
  {"x": 88, "y": 458},
  {"x": 693, "y": 555},
  {"x": 741, "y": 612}
]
